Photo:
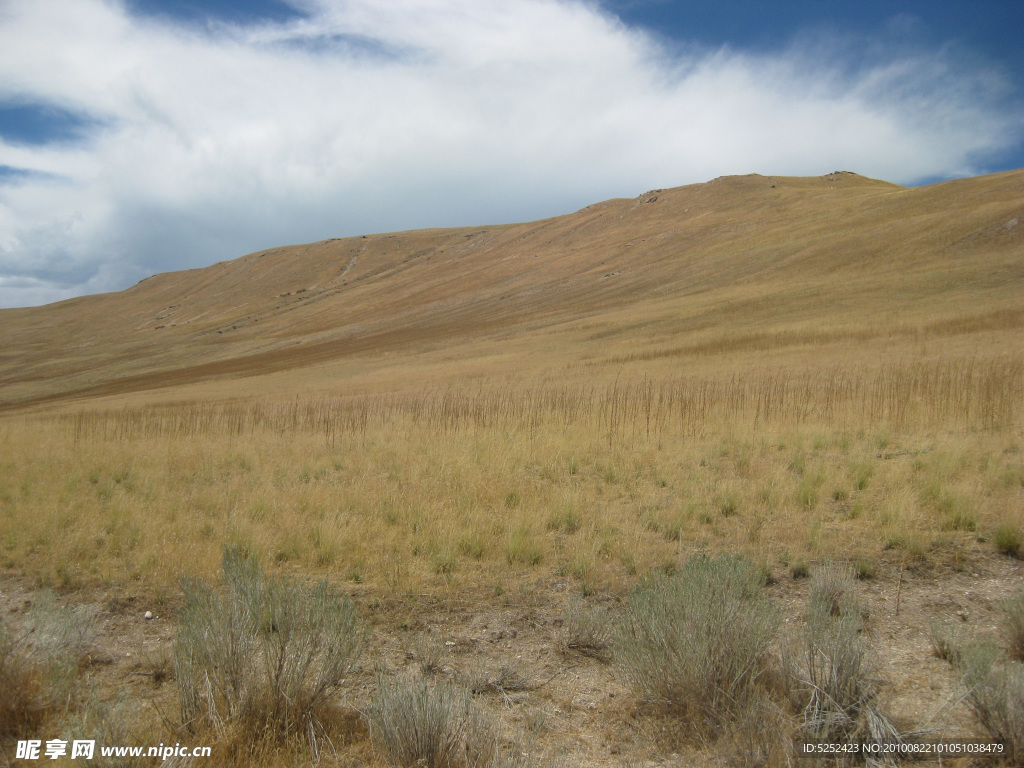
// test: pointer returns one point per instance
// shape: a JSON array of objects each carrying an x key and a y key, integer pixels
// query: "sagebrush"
[
  {"x": 415, "y": 722},
  {"x": 831, "y": 672},
  {"x": 262, "y": 654},
  {"x": 698, "y": 641}
]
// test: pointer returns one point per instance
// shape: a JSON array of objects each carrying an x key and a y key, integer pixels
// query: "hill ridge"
[{"x": 668, "y": 251}]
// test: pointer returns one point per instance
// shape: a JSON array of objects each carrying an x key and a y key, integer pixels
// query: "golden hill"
[
  {"x": 764, "y": 265},
  {"x": 496, "y": 434}
]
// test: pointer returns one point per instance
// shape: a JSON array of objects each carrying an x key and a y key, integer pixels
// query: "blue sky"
[{"x": 141, "y": 136}]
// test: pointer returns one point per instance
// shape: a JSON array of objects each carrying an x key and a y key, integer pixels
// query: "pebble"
[{"x": 149, "y": 615}]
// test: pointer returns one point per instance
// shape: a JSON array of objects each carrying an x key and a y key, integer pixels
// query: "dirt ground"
[{"x": 567, "y": 708}]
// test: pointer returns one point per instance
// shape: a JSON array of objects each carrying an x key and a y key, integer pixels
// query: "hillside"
[
  {"x": 749, "y": 261},
  {"x": 503, "y": 443}
]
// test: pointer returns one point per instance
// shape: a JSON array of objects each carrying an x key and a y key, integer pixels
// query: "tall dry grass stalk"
[
  {"x": 962, "y": 394},
  {"x": 483, "y": 485}
]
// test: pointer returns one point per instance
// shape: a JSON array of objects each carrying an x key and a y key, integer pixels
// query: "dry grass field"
[{"x": 534, "y": 467}]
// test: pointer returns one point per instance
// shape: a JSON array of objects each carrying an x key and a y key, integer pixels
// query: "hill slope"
[{"x": 739, "y": 262}]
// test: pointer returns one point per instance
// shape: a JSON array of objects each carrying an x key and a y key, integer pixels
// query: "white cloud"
[{"x": 366, "y": 116}]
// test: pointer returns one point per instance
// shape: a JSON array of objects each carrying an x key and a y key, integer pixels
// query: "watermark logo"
[
  {"x": 36, "y": 749},
  {"x": 30, "y": 749}
]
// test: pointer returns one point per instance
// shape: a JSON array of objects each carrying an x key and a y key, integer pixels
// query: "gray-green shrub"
[
  {"x": 995, "y": 693},
  {"x": 23, "y": 704},
  {"x": 947, "y": 641},
  {"x": 107, "y": 721},
  {"x": 586, "y": 630},
  {"x": 39, "y": 663},
  {"x": 262, "y": 653},
  {"x": 1013, "y": 625},
  {"x": 416, "y": 722},
  {"x": 698, "y": 641},
  {"x": 831, "y": 665}
]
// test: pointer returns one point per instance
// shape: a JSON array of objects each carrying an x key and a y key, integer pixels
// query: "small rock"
[
  {"x": 581, "y": 702},
  {"x": 149, "y": 615}
]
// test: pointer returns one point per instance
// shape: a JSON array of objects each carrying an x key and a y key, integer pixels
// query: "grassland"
[
  {"x": 453, "y": 487},
  {"x": 458, "y": 429}
]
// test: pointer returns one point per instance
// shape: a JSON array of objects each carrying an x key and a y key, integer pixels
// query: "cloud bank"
[{"x": 202, "y": 143}]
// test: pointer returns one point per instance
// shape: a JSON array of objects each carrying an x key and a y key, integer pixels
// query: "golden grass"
[{"x": 489, "y": 485}]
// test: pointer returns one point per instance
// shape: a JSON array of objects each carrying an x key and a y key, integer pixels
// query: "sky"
[{"x": 144, "y": 136}]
